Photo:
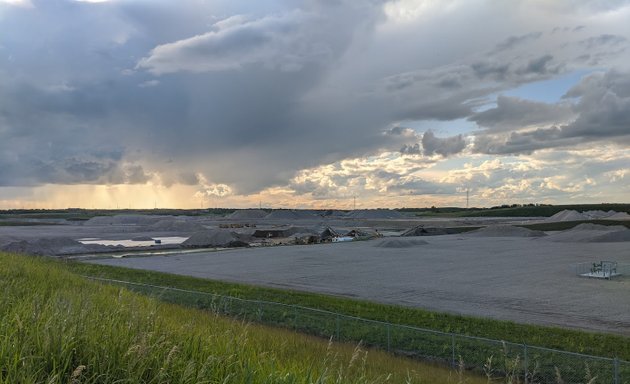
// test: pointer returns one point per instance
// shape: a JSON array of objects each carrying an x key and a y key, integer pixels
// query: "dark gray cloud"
[
  {"x": 245, "y": 113},
  {"x": 514, "y": 113},
  {"x": 541, "y": 66},
  {"x": 447, "y": 146},
  {"x": 411, "y": 149},
  {"x": 514, "y": 41},
  {"x": 601, "y": 40},
  {"x": 488, "y": 69},
  {"x": 274, "y": 42},
  {"x": 521, "y": 142},
  {"x": 603, "y": 106},
  {"x": 602, "y": 113}
]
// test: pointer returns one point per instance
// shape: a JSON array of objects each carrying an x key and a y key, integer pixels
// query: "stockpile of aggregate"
[
  {"x": 570, "y": 215},
  {"x": 421, "y": 230},
  {"x": 52, "y": 247},
  {"x": 592, "y": 233},
  {"x": 505, "y": 231},
  {"x": 282, "y": 231},
  {"x": 374, "y": 214},
  {"x": 215, "y": 238},
  {"x": 567, "y": 215},
  {"x": 124, "y": 220},
  {"x": 618, "y": 216},
  {"x": 286, "y": 214},
  {"x": 399, "y": 243},
  {"x": 175, "y": 225}
]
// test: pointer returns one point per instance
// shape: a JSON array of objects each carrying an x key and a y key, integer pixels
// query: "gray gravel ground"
[{"x": 520, "y": 279}]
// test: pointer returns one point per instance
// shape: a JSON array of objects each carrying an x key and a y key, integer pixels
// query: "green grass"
[
  {"x": 56, "y": 327},
  {"x": 598, "y": 344}
]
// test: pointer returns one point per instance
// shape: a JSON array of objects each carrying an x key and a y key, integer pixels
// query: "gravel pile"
[
  {"x": 374, "y": 214},
  {"x": 591, "y": 233},
  {"x": 175, "y": 225},
  {"x": 505, "y": 231},
  {"x": 215, "y": 238},
  {"x": 52, "y": 247}
]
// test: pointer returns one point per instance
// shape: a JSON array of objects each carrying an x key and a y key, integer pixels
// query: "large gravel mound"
[
  {"x": 175, "y": 225},
  {"x": 215, "y": 238},
  {"x": 51, "y": 247},
  {"x": 567, "y": 215},
  {"x": 587, "y": 233},
  {"x": 247, "y": 214},
  {"x": 399, "y": 243},
  {"x": 375, "y": 214},
  {"x": 124, "y": 220},
  {"x": 570, "y": 215},
  {"x": 285, "y": 214},
  {"x": 505, "y": 231},
  {"x": 421, "y": 230},
  {"x": 618, "y": 216}
]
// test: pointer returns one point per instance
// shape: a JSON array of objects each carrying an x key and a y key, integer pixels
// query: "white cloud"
[{"x": 20, "y": 3}]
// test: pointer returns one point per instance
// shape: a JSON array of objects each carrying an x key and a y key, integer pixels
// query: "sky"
[{"x": 314, "y": 103}]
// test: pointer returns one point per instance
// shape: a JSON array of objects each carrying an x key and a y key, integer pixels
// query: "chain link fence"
[{"x": 492, "y": 358}]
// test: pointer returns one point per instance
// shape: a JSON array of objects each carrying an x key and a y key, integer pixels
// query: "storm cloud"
[
  {"x": 602, "y": 112},
  {"x": 514, "y": 113}
]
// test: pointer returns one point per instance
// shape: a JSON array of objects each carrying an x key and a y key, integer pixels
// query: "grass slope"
[
  {"x": 56, "y": 327},
  {"x": 558, "y": 338}
]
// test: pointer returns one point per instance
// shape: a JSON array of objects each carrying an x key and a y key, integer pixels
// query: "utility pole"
[
  {"x": 354, "y": 202},
  {"x": 467, "y": 196}
]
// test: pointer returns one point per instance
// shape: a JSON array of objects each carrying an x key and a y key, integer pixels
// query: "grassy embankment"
[
  {"x": 598, "y": 344},
  {"x": 56, "y": 327}
]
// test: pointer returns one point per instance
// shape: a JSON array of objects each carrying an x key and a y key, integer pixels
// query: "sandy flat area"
[{"x": 528, "y": 280}]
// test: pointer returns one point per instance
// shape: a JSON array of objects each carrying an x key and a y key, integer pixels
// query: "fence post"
[
  {"x": 616, "y": 370},
  {"x": 338, "y": 325},
  {"x": 295, "y": 318},
  {"x": 389, "y": 337},
  {"x": 525, "y": 363},
  {"x": 452, "y": 350},
  {"x": 260, "y": 312}
]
